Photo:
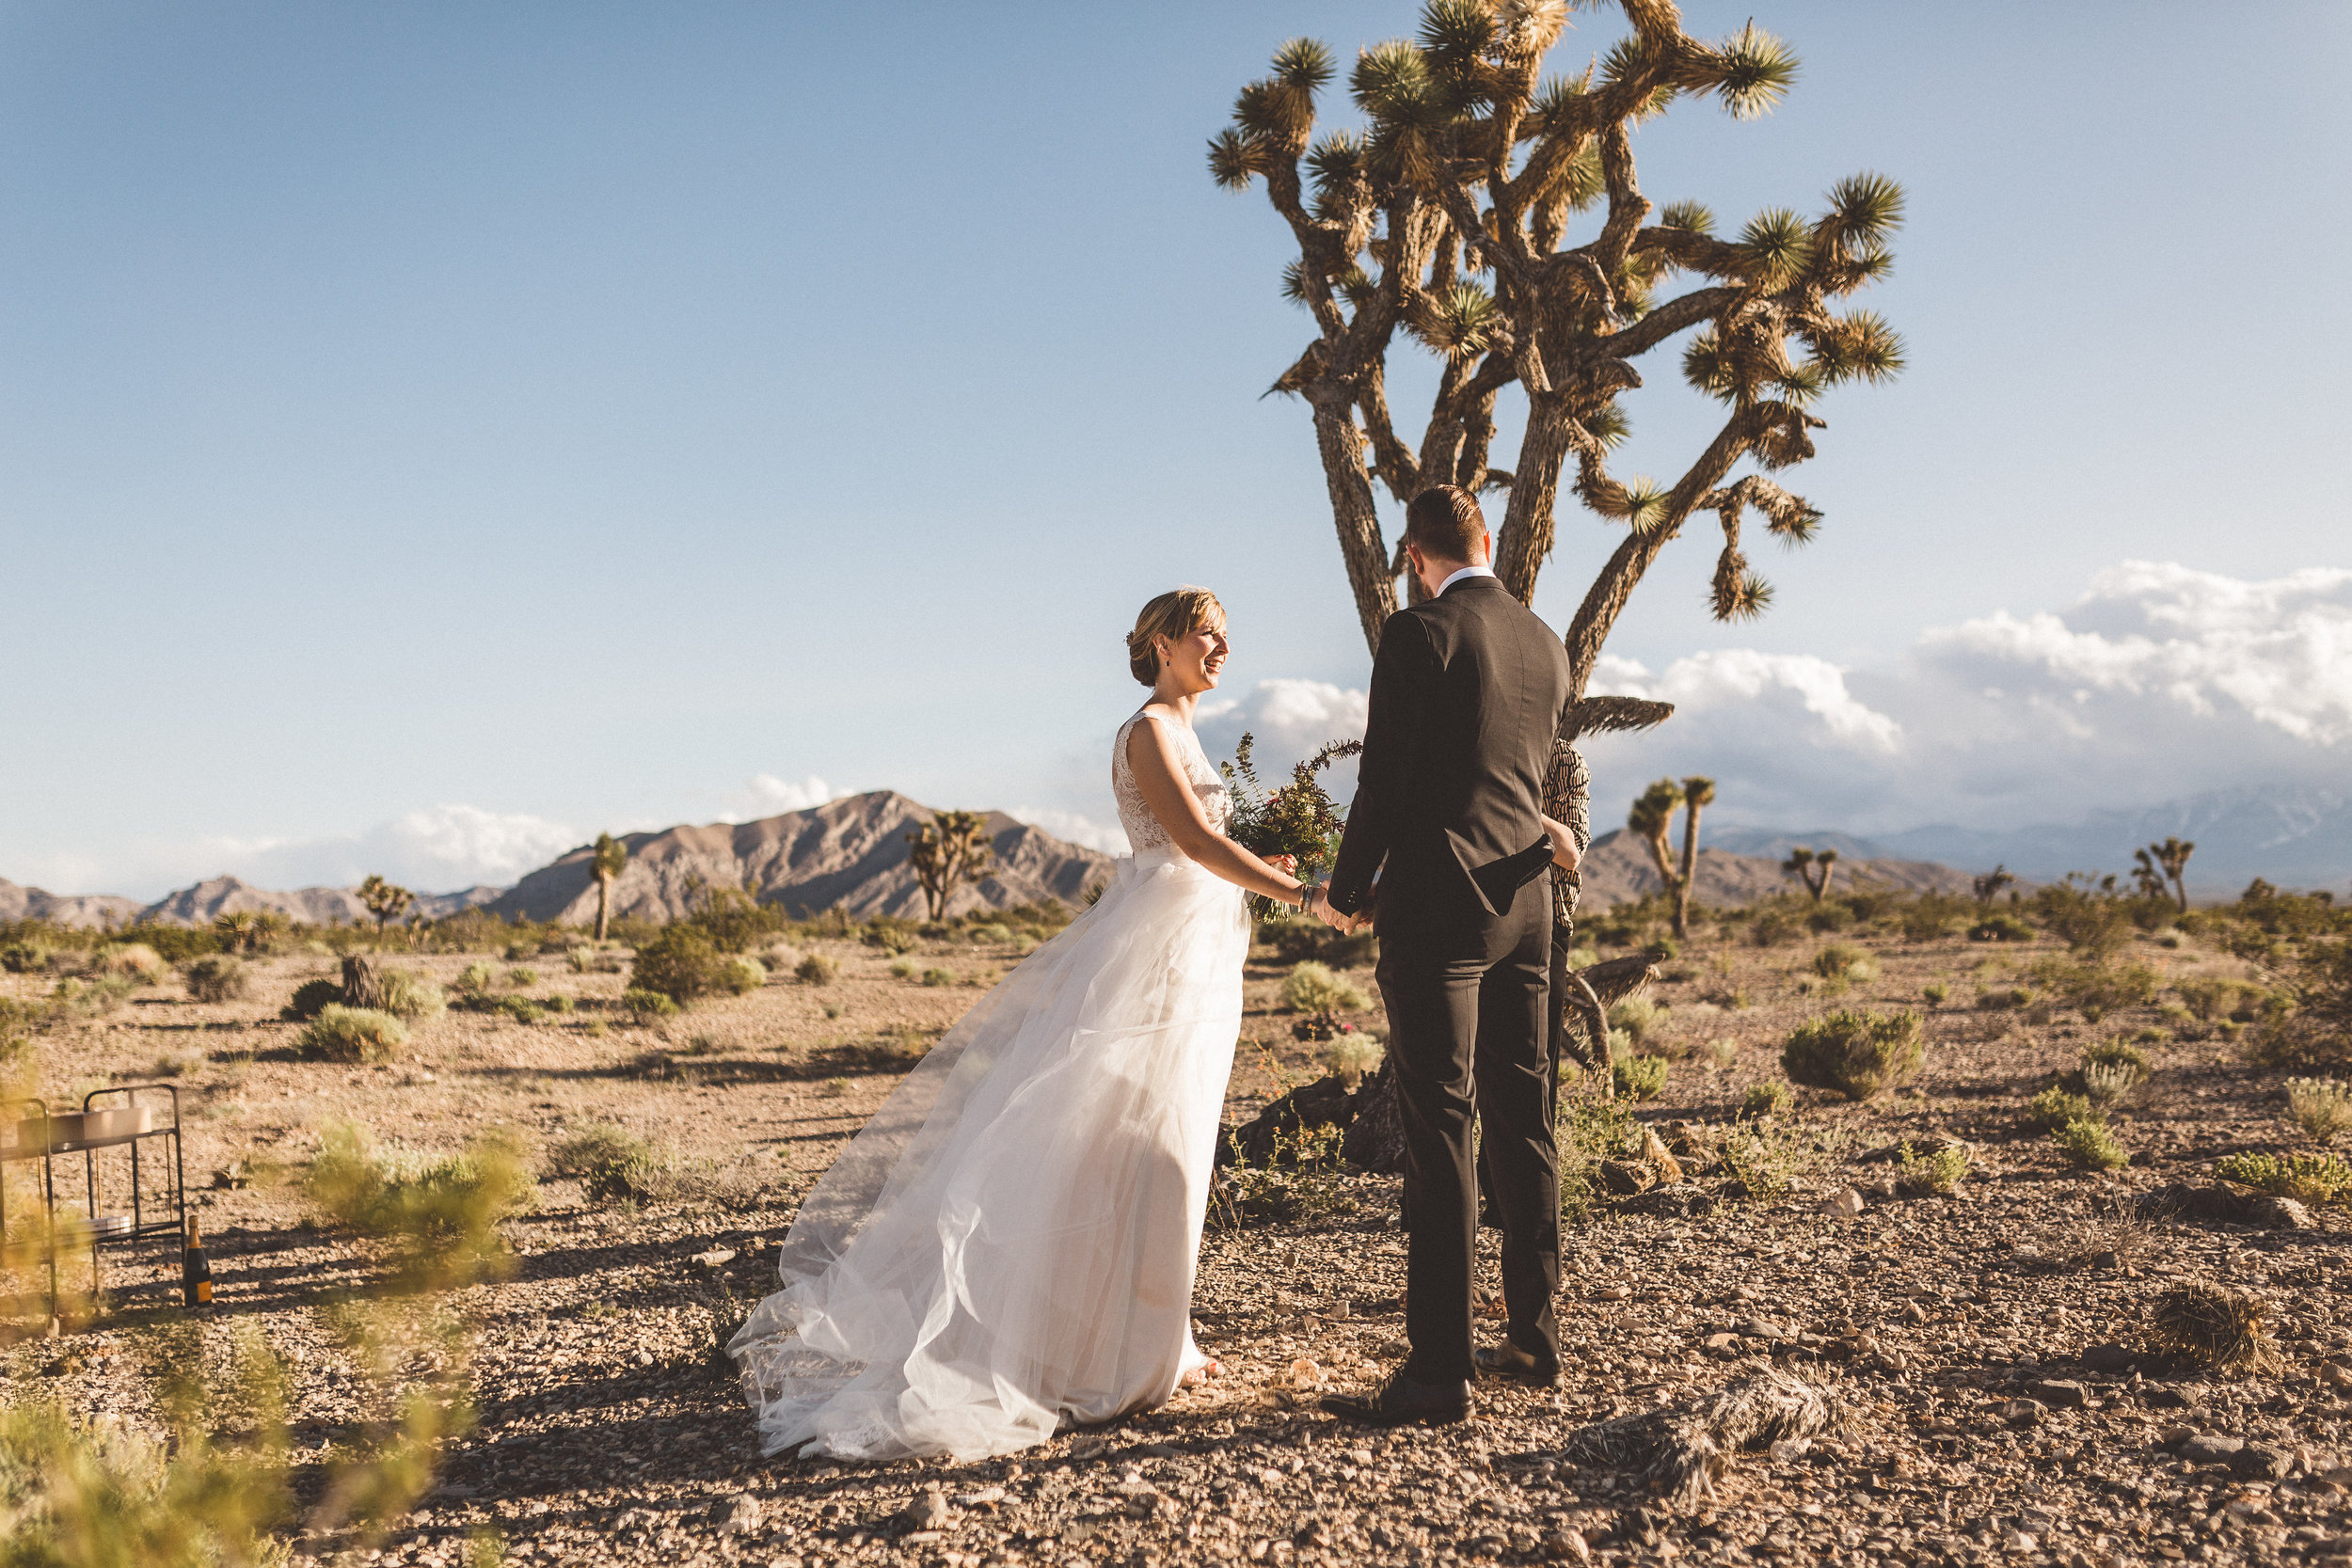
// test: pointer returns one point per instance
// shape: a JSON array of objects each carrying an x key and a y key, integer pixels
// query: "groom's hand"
[{"x": 1319, "y": 905}]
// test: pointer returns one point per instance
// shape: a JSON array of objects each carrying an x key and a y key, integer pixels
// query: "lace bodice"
[{"x": 1143, "y": 829}]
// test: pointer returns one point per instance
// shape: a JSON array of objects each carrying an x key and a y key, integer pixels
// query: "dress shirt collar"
[{"x": 1465, "y": 572}]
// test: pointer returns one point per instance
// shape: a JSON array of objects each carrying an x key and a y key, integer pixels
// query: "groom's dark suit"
[{"x": 1466, "y": 693}]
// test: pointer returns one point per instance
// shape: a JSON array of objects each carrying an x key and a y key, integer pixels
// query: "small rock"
[
  {"x": 930, "y": 1511},
  {"x": 2059, "y": 1394},
  {"x": 1721, "y": 1343},
  {"x": 2020, "y": 1543},
  {"x": 2173, "y": 1436},
  {"x": 981, "y": 1498},
  {"x": 2108, "y": 1356},
  {"x": 1567, "y": 1545},
  {"x": 741, "y": 1517},
  {"x": 1614, "y": 1293},
  {"x": 716, "y": 1258},
  {"x": 2024, "y": 1411},
  {"x": 2261, "y": 1462},
  {"x": 2210, "y": 1448},
  {"x": 1627, "y": 1177},
  {"x": 645, "y": 1358},
  {"x": 1843, "y": 1204}
]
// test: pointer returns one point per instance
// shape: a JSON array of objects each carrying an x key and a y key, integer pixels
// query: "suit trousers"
[{"x": 1468, "y": 1031}]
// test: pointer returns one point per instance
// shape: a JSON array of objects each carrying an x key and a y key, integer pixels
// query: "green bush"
[
  {"x": 1857, "y": 1055},
  {"x": 24, "y": 958},
  {"x": 682, "y": 963},
  {"x": 992, "y": 931},
  {"x": 427, "y": 1203},
  {"x": 522, "y": 979},
  {"x": 601, "y": 1157},
  {"x": 1311, "y": 988},
  {"x": 939, "y": 976},
  {"x": 475, "y": 979},
  {"x": 1772, "y": 1098},
  {"x": 2109, "y": 1070},
  {"x": 741, "y": 976},
  {"x": 2089, "y": 1145},
  {"x": 2000, "y": 927},
  {"x": 1638, "y": 1019},
  {"x": 215, "y": 978},
  {"x": 522, "y": 1009},
  {"x": 581, "y": 958},
  {"x": 816, "y": 970},
  {"x": 1842, "y": 961},
  {"x": 2210, "y": 998},
  {"x": 410, "y": 997},
  {"x": 1935, "y": 993},
  {"x": 2322, "y": 1107},
  {"x": 2002, "y": 998},
  {"x": 341, "y": 1033},
  {"x": 647, "y": 1006},
  {"x": 1938, "y": 1172},
  {"x": 2053, "y": 1108},
  {"x": 1639, "y": 1077},
  {"x": 312, "y": 998},
  {"x": 2306, "y": 1177},
  {"x": 1771, "y": 929}
]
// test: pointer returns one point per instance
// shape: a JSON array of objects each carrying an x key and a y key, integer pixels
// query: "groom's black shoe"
[
  {"x": 1507, "y": 1360},
  {"x": 1402, "y": 1401}
]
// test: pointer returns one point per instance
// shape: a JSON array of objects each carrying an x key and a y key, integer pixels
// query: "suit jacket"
[{"x": 1466, "y": 693}]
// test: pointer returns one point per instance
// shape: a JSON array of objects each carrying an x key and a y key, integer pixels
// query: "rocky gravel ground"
[{"x": 1985, "y": 1383}]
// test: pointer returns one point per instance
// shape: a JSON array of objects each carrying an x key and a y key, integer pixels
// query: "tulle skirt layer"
[{"x": 1011, "y": 1240}]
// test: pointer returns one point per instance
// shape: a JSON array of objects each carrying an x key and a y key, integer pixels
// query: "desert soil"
[{"x": 1951, "y": 1333}]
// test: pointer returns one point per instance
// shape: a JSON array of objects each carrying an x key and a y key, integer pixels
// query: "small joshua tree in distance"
[
  {"x": 1814, "y": 869},
  {"x": 383, "y": 900},
  {"x": 1652, "y": 817},
  {"x": 2161, "y": 868},
  {"x": 949, "y": 850},
  {"x": 606, "y": 860},
  {"x": 1988, "y": 884}
]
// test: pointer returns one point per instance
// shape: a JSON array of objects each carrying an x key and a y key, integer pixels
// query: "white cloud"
[
  {"x": 1744, "y": 681},
  {"x": 769, "y": 796},
  {"x": 1289, "y": 720},
  {"x": 1074, "y": 828}
]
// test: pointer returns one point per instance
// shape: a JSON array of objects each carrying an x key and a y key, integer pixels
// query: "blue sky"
[{"x": 436, "y": 433}]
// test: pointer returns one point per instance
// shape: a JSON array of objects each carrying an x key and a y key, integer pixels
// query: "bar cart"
[{"x": 142, "y": 1120}]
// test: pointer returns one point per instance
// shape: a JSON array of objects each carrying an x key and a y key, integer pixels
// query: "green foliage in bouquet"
[{"x": 1300, "y": 819}]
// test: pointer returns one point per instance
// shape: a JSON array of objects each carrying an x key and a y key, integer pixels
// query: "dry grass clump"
[
  {"x": 1938, "y": 1170},
  {"x": 341, "y": 1033},
  {"x": 2221, "y": 1329},
  {"x": 1772, "y": 1098},
  {"x": 132, "y": 960},
  {"x": 1311, "y": 988},
  {"x": 214, "y": 977},
  {"x": 1639, "y": 1077},
  {"x": 2322, "y": 1107},
  {"x": 816, "y": 970},
  {"x": 2305, "y": 1177},
  {"x": 1842, "y": 961},
  {"x": 1857, "y": 1055},
  {"x": 410, "y": 997}
]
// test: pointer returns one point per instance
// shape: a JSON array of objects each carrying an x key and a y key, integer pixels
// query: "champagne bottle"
[{"x": 195, "y": 1270}]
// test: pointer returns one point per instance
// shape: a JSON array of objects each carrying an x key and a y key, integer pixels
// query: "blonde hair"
[{"x": 1174, "y": 613}]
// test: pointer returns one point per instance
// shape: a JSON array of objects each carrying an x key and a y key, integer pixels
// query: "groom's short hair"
[{"x": 1444, "y": 523}]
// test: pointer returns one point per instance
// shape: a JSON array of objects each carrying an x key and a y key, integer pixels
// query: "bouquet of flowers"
[{"x": 1300, "y": 819}]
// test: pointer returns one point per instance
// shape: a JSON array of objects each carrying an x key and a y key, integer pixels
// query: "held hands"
[{"x": 1320, "y": 907}]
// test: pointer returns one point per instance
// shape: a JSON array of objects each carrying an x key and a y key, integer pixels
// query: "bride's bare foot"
[{"x": 1200, "y": 1375}]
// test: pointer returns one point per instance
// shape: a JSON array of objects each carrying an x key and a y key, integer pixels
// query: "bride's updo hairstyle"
[{"x": 1175, "y": 614}]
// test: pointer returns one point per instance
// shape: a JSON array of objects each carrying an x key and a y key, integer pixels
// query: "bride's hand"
[{"x": 1286, "y": 865}]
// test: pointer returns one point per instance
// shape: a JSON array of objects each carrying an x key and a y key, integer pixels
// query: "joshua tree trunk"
[
  {"x": 604, "y": 902},
  {"x": 1696, "y": 794},
  {"x": 363, "y": 984}
]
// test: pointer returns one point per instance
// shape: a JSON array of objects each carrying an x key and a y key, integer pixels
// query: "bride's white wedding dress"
[{"x": 1010, "y": 1242}]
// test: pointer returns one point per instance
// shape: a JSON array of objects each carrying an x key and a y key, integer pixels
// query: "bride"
[{"x": 1009, "y": 1244}]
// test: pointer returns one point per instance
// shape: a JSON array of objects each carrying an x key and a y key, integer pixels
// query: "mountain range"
[{"x": 852, "y": 852}]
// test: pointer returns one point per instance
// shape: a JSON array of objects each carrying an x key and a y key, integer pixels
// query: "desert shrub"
[
  {"x": 312, "y": 998},
  {"x": 741, "y": 975},
  {"x": 522, "y": 1009},
  {"x": 440, "y": 1212},
  {"x": 647, "y": 1006},
  {"x": 2089, "y": 1145},
  {"x": 135, "y": 962},
  {"x": 341, "y": 1033},
  {"x": 1772, "y": 1098},
  {"x": 1931, "y": 918},
  {"x": 1857, "y": 1055},
  {"x": 1311, "y": 988},
  {"x": 2106, "y": 1084},
  {"x": 580, "y": 959},
  {"x": 215, "y": 978},
  {"x": 2210, "y": 997},
  {"x": 939, "y": 976},
  {"x": 1352, "y": 1054},
  {"x": 682, "y": 963},
  {"x": 2096, "y": 988},
  {"x": 1841, "y": 961},
  {"x": 411, "y": 997},
  {"x": 612, "y": 1164},
  {"x": 80, "y": 998},
  {"x": 989, "y": 931},
  {"x": 2308, "y": 1178},
  {"x": 2322, "y": 1107},
  {"x": 1304, "y": 1181},
  {"x": 1766, "y": 1156},
  {"x": 1939, "y": 1171},
  {"x": 2119, "y": 1057},
  {"x": 2054, "y": 1107},
  {"x": 2000, "y": 927},
  {"x": 904, "y": 970},
  {"x": 2083, "y": 916},
  {"x": 2214, "y": 1327},
  {"x": 1638, "y": 1077},
  {"x": 2001, "y": 998},
  {"x": 1935, "y": 993},
  {"x": 1638, "y": 1019},
  {"x": 1588, "y": 1129},
  {"x": 24, "y": 958},
  {"x": 891, "y": 934},
  {"x": 1771, "y": 927},
  {"x": 475, "y": 979},
  {"x": 816, "y": 970}
]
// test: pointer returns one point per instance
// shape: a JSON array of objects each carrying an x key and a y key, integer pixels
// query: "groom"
[{"x": 1467, "y": 693}]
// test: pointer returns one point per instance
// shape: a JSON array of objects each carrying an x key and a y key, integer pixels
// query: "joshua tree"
[
  {"x": 240, "y": 931},
  {"x": 1988, "y": 884},
  {"x": 2161, "y": 867},
  {"x": 1814, "y": 870},
  {"x": 1445, "y": 217},
  {"x": 607, "y": 861},
  {"x": 949, "y": 850},
  {"x": 1652, "y": 818},
  {"x": 383, "y": 900}
]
